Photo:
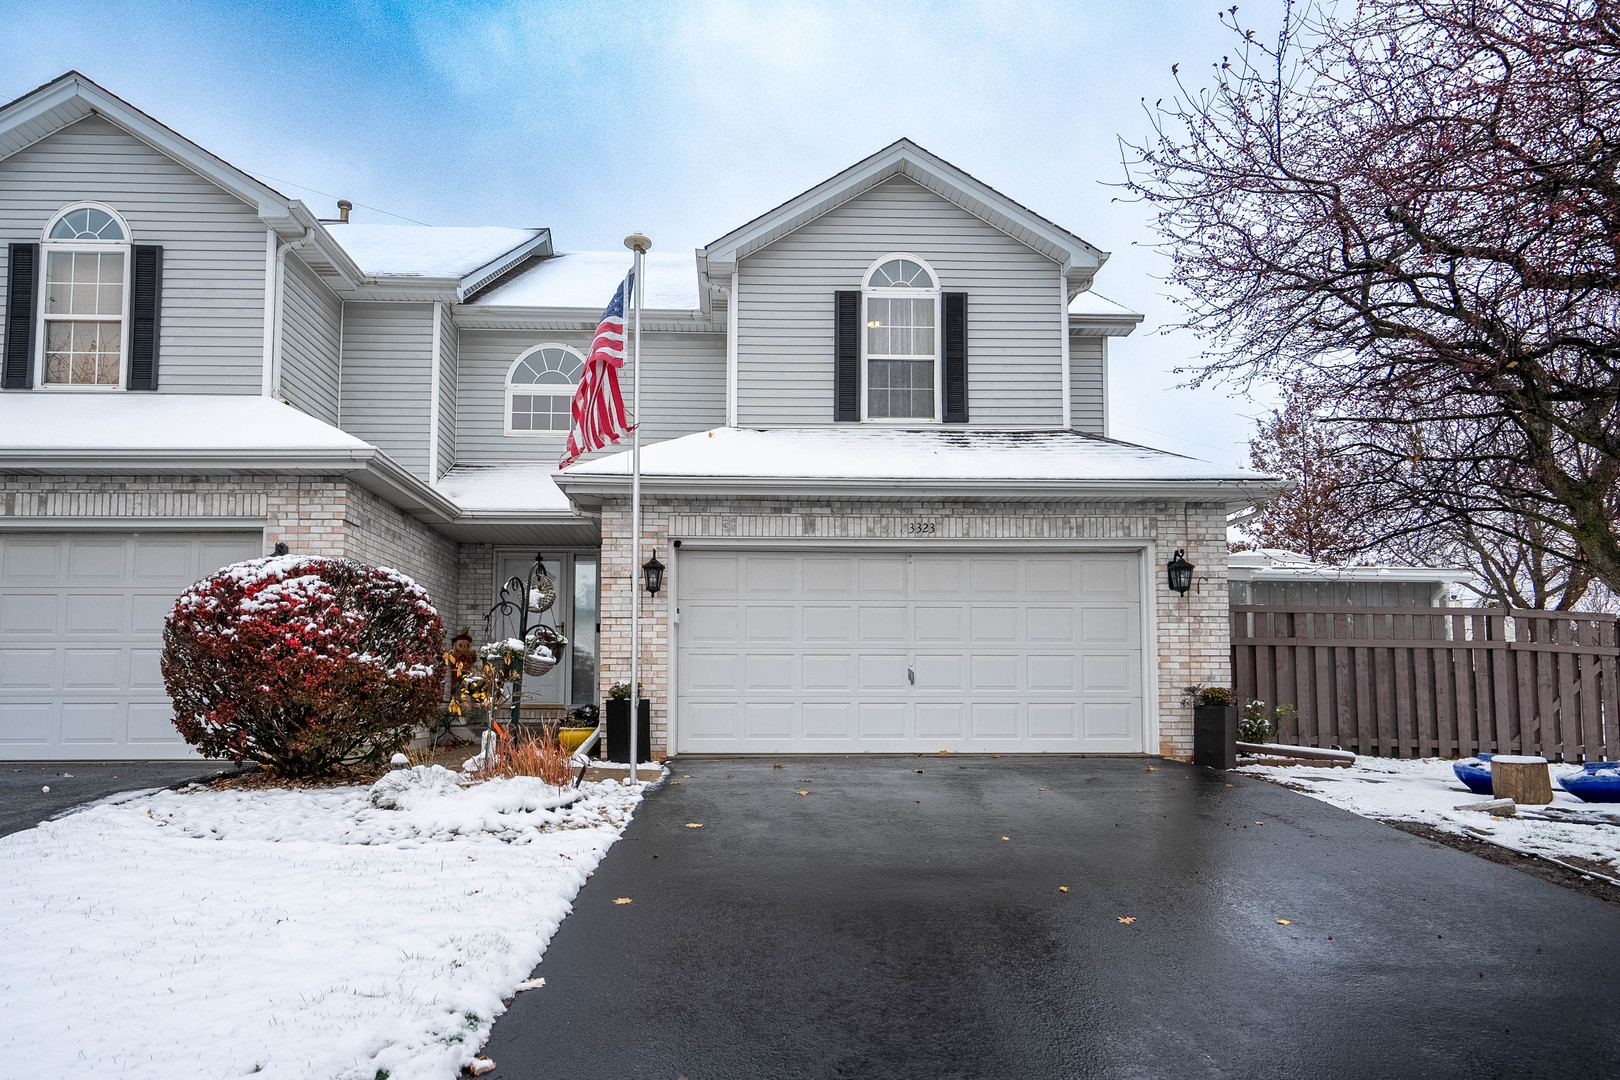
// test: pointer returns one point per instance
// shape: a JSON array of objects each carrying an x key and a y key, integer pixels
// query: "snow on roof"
[
  {"x": 1280, "y": 564},
  {"x": 427, "y": 250},
  {"x": 1090, "y": 303},
  {"x": 482, "y": 489},
  {"x": 587, "y": 279},
  {"x": 871, "y": 453},
  {"x": 46, "y": 421}
]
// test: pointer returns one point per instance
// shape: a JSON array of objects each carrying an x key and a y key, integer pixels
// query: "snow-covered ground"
[
  {"x": 286, "y": 933},
  {"x": 1427, "y": 791}
]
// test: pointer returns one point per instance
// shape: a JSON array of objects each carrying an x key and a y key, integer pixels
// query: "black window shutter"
[
  {"x": 847, "y": 354},
  {"x": 145, "y": 301},
  {"x": 22, "y": 273},
  {"x": 956, "y": 369}
]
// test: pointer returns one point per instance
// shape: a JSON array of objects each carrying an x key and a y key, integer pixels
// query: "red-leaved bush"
[{"x": 303, "y": 664}]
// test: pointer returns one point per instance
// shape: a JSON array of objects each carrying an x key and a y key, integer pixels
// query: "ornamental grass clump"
[{"x": 303, "y": 665}]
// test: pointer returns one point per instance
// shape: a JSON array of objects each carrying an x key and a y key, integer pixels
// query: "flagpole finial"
[{"x": 637, "y": 242}]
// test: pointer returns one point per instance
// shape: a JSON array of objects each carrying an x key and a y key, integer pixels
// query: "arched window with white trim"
[
  {"x": 540, "y": 387},
  {"x": 84, "y": 320},
  {"x": 901, "y": 294}
]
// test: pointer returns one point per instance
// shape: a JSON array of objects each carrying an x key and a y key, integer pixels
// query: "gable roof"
[
  {"x": 1079, "y": 259},
  {"x": 71, "y": 97}
]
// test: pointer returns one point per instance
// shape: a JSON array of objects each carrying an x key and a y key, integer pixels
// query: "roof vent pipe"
[{"x": 344, "y": 206}]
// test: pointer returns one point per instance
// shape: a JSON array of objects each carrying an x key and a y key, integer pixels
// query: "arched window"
[
  {"x": 901, "y": 293},
  {"x": 540, "y": 387},
  {"x": 83, "y": 319}
]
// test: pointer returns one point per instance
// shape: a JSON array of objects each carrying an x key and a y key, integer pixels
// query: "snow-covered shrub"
[
  {"x": 1254, "y": 726},
  {"x": 303, "y": 664},
  {"x": 400, "y": 788}
]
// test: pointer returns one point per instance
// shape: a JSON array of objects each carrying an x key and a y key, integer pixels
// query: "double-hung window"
[
  {"x": 540, "y": 387},
  {"x": 901, "y": 295},
  {"x": 84, "y": 323}
]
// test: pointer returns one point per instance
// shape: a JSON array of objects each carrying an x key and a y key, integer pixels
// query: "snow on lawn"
[
  {"x": 286, "y": 933},
  {"x": 1427, "y": 791}
]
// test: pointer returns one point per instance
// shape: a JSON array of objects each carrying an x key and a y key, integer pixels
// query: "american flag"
[{"x": 599, "y": 418}]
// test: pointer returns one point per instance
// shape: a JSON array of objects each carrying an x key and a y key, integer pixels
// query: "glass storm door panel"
[
  {"x": 552, "y": 687},
  {"x": 583, "y": 637}
]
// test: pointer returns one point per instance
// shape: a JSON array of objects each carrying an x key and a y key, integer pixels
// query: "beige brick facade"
[
  {"x": 312, "y": 515},
  {"x": 1191, "y": 635}
]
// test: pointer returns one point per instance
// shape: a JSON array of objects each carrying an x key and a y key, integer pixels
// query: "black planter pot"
[
  {"x": 1215, "y": 736},
  {"x": 618, "y": 730}
]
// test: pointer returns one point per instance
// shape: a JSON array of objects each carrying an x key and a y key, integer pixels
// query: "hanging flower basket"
[{"x": 542, "y": 651}]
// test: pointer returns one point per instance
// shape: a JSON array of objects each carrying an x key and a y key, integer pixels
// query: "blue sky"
[{"x": 678, "y": 119}]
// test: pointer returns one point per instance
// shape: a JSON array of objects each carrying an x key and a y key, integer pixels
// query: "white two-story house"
[{"x": 876, "y": 457}]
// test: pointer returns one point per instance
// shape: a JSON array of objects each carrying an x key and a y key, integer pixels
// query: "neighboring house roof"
[
  {"x": 1279, "y": 564},
  {"x": 71, "y": 97},
  {"x": 133, "y": 424},
  {"x": 1091, "y": 315},
  {"x": 587, "y": 279},
  {"x": 447, "y": 263},
  {"x": 882, "y": 459},
  {"x": 1079, "y": 259}
]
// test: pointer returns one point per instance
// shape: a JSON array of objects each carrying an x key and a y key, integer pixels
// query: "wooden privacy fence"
[{"x": 1434, "y": 681}]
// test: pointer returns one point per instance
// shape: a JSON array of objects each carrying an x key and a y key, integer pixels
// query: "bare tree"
[
  {"x": 1317, "y": 516},
  {"x": 1412, "y": 207}
]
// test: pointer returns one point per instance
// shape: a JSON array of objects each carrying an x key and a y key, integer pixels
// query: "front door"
[{"x": 573, "y": 681}]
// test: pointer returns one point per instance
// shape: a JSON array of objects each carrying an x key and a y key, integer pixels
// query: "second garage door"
[
  {"x": 81, "y": 637},
  {"x": 844, "y": 651}
]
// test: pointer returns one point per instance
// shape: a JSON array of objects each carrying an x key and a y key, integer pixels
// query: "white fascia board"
[
  {"x": 1104, "y": 325},
  {"x": 1079, "y": 259},
  {"x": 1233, "y": 493},
  {"x": 501, "y": 317}
]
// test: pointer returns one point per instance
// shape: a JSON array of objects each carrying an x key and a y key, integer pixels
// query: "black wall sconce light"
[
  {"x": 1180, "y": 572},
  {"x": 654, "y": 573}
]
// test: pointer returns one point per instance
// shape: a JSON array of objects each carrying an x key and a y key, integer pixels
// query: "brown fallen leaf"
[
  {"x": 1127, "y": 919},
  {"x": 1006, "y": 838},
  {"x": 672, "y": 783},
  {"x": 1152, "y": 768},
  {"x": 480, "y": 1066},
  {"x": 1259, "y": 823},
  {"x": 1284, "y": 922},
  {"x": 622, "y": 900},
  {"x": 1228, "y": 785},
  {"x": 1043, "y": 789},
  {"x": 776, "y": 765},
  {"x": 1063, "y": 888},
  {"x": 944, "y": 751},
  {"x": 694, "y": 824},
  {"x": 804, "y": 793}
]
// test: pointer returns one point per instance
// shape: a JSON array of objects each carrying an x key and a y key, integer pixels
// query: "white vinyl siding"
[
  {"x": 311, "y": 322},
  {"x": 388, "y": 379},
  {"x": 684, "y": 390},
  {"x": 785, "y": 309},
  {"x": 1086, "y": 384},
  {"x": 449, "y": 357},
  {"x": 213, "y": 245}
]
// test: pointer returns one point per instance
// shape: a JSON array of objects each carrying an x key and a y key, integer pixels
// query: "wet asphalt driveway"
[
  {"x": 905, "y": 919},
  {"x": 24, "y": 803}
]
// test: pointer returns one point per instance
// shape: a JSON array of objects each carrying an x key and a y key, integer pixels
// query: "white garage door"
[
  {"x": 81, "y": 634},
  {"x": 838, "y": 652}
]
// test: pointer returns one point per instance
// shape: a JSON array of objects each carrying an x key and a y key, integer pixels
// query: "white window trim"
[
  {"x": 530, "y": 388},
  {"x": 868, "y": 291},
  {"x": 46, "y": 245}
]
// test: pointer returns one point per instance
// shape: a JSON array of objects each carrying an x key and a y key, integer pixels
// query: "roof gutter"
[{"x": 1230, "y": 491}]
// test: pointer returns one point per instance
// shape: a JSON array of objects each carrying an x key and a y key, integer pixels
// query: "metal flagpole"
[{"x": 638, "y": 244}]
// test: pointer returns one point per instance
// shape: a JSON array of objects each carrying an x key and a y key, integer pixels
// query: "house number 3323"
[{"x": 922, "y": 528}]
